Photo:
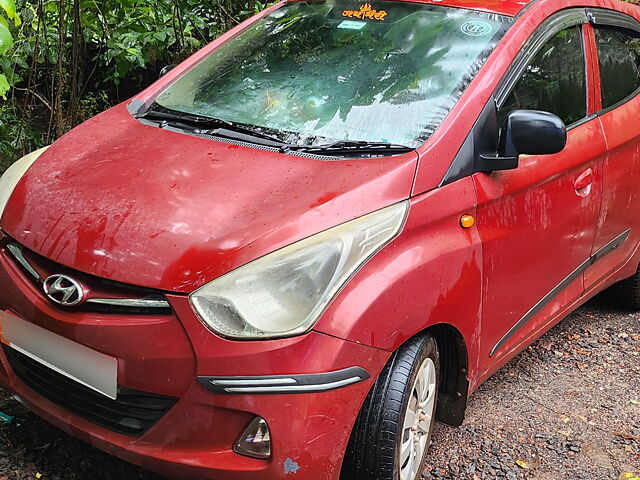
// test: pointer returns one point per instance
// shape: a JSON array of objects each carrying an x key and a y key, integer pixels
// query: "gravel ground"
[{"x": 566, "y": 408}]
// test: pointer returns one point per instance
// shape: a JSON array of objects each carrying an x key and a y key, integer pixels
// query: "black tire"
[
  {"x": 627, "y": 292},
  {"x": 372, "y": 453}
]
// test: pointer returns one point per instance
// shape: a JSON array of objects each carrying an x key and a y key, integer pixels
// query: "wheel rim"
[{"x": 417, "y": 421}]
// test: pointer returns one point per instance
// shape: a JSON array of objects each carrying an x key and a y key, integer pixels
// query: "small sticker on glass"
[
  {"x": 352, "y": 25},
  {"x": 366, "y": 11},
  {"x": 476, "y": 28}
]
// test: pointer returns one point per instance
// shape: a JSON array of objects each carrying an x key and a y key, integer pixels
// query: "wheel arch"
[
  {"x": 454, "y": 384},
  {"x": 454, "y": 372}
]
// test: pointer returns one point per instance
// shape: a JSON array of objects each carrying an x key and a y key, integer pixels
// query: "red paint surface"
[
  {"x": 536, "y": 228},
  {"x": 172, "y": 211},
  {"x": 136, "y": 204},
  {"x": 165, "y": 354},
  {"x": 503, "y": 7},
  {"x": 593, "y": 70},
  {"x": 621, "y": 192},
  {"x": 428, "y": 275}
]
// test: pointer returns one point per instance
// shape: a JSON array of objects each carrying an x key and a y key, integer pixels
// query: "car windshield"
[{"x": 318, "y": 71}]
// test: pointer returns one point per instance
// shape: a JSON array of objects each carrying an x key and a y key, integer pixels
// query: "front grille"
[
  {"x": 107, "y": 296},
  {"x": 121, "y": 310},
  {"x": 132, "y": 413}
]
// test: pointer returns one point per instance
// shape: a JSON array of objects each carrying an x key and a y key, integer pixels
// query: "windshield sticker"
[
  {"x": 352, "y": 25},
  {"x": 476, "y": 28},
  {"x": 366, "y": 11}
]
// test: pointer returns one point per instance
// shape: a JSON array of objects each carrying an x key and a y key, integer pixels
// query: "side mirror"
[
  {"x": 526, "y": 132},
  {"x": 166, "y": 70}
]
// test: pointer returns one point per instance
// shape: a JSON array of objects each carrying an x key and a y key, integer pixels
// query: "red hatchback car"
[{"x": 319, "y": 234}]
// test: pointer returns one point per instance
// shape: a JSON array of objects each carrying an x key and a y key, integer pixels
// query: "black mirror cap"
[
  {"x": 533, "y": 132},
  {"x": 166, "y": 69}
]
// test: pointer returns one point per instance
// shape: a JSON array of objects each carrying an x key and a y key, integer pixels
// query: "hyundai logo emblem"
[{"x": 63, "y": 290}]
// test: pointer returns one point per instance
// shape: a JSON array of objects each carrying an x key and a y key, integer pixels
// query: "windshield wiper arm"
[
  {"x": 214, "y": 126},
  {"x": 236, "y": 131},
  {"x": 168, "y": 116},
  {"x": 355, "y": 146}
]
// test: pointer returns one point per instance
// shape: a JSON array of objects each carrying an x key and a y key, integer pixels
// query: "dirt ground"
[{"x": 566, "y": 408}]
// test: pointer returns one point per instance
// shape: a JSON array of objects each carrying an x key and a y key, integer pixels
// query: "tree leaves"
[
  {"x": 109, "y": 49},
  {"x": 6, "y": 39},
  {"x": 9, "y": 6},
  {"x": 4, "y": 86}
]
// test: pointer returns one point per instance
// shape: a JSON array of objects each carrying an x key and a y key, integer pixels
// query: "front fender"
[{"x": 430, "y": 274}]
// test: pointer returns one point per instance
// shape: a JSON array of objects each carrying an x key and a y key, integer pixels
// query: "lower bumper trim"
[
  {"x": 309, "y": 383},
  {"x": 132, "y": 413}
]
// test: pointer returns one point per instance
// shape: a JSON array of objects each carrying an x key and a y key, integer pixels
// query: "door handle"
[{"x": 583, "y": 183}]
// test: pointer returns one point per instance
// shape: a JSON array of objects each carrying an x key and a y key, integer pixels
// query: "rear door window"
[
  {"x": 619, "y": 58},
  {"x": 554, "y": 81}
]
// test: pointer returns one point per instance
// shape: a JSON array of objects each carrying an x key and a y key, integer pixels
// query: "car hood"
[{"x": 145, "y": 206}]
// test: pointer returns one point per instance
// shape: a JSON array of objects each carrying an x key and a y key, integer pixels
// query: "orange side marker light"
[{"x": 467, "y": 221}]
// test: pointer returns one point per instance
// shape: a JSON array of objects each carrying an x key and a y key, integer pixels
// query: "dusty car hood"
[{"x": 145, "y": 206}]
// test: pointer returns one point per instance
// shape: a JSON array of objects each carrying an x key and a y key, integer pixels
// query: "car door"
[
  {"x": 617, "y": 42},
  {"x": 537, "y": 222}
]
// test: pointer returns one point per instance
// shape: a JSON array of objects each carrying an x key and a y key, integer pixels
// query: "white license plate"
[{"x": 82, "y": 364}]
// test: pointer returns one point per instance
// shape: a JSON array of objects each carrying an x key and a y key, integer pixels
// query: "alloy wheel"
[{"x": 417, "y": 422}]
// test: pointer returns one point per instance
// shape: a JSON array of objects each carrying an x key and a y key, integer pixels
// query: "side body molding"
[{"x": 608, "y": 248}]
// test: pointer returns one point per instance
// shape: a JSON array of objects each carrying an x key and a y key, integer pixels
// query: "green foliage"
[
  {"x": 93, "y": 103},
  {"x": 62, "y": 61},
  {"x": 9, "y": 7},
  {"x": 6, "y": 38},
  {"x": 15, "y": 133}
]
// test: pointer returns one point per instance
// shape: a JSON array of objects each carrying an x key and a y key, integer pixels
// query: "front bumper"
[{"x": 165, "y": 355}]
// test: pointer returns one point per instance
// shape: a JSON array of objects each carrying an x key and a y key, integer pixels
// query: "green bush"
[{"x": 70, "y": 59}]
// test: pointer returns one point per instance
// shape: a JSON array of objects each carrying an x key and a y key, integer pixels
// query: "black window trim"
[
  {"x": 612, "y": 18},
  {"x": 558, "y": 22},
  {"x": 463, "y": 164},
  {"x": 526, "y": 8},
  {"x": 600, "y": 17}
]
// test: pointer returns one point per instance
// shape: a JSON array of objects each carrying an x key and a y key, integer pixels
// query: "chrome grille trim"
[
  {"x": 321, "y": 387},
  {"x": 256, "y": 383},
  {"x": 130, "y": 302},
  {"x": 15, "y": 250}
]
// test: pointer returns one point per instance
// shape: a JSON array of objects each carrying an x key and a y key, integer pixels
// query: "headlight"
[
  {"x": 12, "y": 176},
  {"x": 284, "y": 293}
]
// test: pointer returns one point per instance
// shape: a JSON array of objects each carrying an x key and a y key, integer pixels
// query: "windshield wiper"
[
  {"x": 352, "y": 146},
  {"x": 171, "y": 116},
  {"x": 236, "y": 131},
  {"x": 213, "y": 126}
]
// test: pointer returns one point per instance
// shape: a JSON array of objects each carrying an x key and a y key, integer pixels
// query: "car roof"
[{"x": 502, "y": 7}]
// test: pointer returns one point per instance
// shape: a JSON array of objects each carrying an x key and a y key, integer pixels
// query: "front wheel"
[{"x": 393, "y": 430}]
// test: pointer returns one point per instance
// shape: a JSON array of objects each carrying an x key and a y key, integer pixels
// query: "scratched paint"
[{"x": 290, "y": 466}]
